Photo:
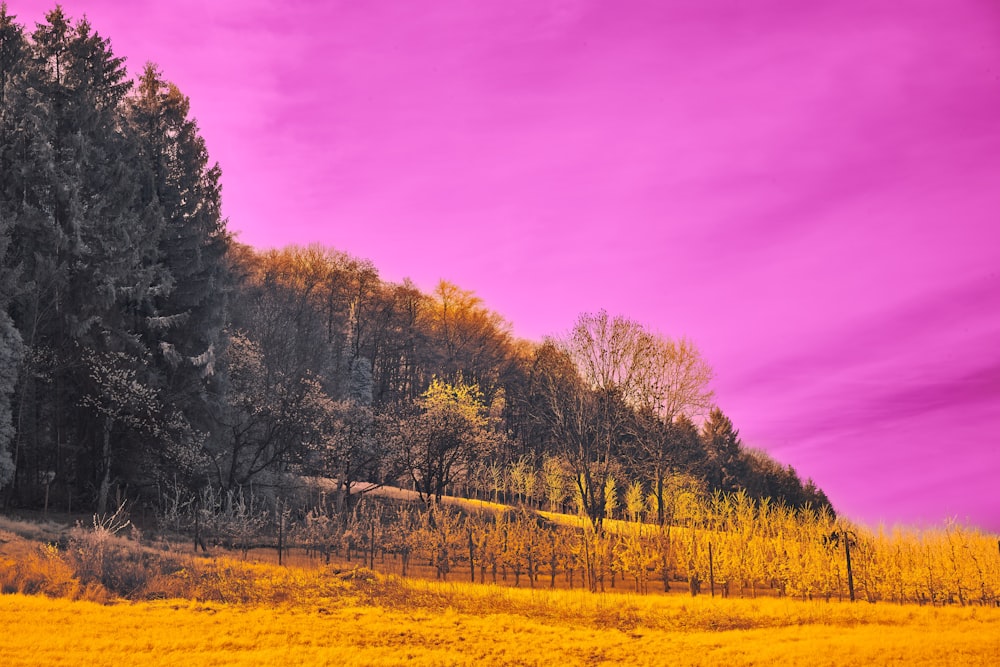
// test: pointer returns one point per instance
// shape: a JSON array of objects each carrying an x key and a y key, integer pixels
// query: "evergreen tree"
[
  {"x": 83, "y": 251},
  {"x": 182, "y": 323},
  {"x": 722, "y": 445},
  {"x": 12, "y": 49}
]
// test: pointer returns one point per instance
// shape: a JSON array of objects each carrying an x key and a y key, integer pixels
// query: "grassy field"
[
  {"x": 314, "y": 617},
  {"x": 196, "y": 611}
]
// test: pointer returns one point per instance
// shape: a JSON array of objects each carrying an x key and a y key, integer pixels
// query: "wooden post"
[
  {"x": 850, "y": 573},
  {"x": 711, "y": 570},
  {"x": 472, "y": 561},
  {"x": 281, "y": 526},
  {"x": 553, "y": 563}
]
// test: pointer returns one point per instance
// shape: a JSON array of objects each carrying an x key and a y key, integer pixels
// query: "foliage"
[
  {"x": 719, "y": 544},
  {"x": 10, "y": 353},
  {"x": 91, "y": 210},
  {"x": 445, "y": 437}
]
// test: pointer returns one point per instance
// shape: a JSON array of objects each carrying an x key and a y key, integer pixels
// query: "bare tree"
[
  {"x": 588, "y": 380},
  {"x": 674, "y": 383},
  {"x": 675, "y": 379},
  {"x": 611, "y": 354},
  {"x": 612, "y": 384}
]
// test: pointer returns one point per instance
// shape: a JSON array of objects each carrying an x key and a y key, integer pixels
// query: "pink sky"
[{"x": 811, "y": 193}]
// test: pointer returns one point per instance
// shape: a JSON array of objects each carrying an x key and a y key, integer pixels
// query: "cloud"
[
  {"x": 806, "y": 189},
  {"x": 895, "y": 415}
]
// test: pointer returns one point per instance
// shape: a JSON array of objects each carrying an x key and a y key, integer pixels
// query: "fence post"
[
  {"x": 850, "y": 573},
  {"x": 711, "y": 570}
]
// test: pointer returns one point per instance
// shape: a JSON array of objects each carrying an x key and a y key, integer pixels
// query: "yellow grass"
[
  {"x": 229, "y": 612},
  {"x": 323, "y": 619}
]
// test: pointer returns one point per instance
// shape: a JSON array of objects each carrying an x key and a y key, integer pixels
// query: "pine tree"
[
  {"x": 181, "y": 324},
  {"x": 84, "y": 251},
  {"x": 10, "y": 358},
  {"x": 30, "y": 275},
  {"x": 12, "y": 48},
  {"x": 722, "y": 446}
]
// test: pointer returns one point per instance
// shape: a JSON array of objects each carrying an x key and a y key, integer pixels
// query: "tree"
[
  {"x": 182, "y": 322},
  {"x": 674, "y": 378},
  {"x": 579, "y": 425},
  {"x": 590, "y": 380},
  {"x": 121, "y": 401},
  {"x": 10, "y": 356},
  {"x": 348, "y": 450},
  {"x": 24, "y": 154},
  {"x": 12, "y": 47},
  {"x": 401, "y": 370},
  {"x": 673, "y": 386},
  {"x": 611, "y": 354},
  {"x": 764, "y": 477},
  {"x": 444, "y": 438},
  {"x": 469, "y": 339},
  {"x": 268, "y": 418},
  {"x": 83, "y": 248},
  {"x": 723, "y": 447},
  {"x": 659, "y": 449}
]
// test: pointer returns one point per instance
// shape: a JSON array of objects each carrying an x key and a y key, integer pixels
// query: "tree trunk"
[
  {"x": 659, "y": 500},
  {"x": 472, "y": 559},
  {"x": 281, "y": 533},
  {"x": 711, "y": 570},
  {"x": 850, "y": 572},
  {"x": 105, "y": 484}
]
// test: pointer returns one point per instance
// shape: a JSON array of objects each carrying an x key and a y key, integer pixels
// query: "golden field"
[
  {"x": 324, "y": 616},
  {"x": 82, "y": 597}
]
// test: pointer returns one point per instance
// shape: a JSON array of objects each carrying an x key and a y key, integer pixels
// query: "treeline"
[{"x": 141, "y": 347}]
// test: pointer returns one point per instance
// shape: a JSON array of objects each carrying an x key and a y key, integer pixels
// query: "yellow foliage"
[
  {"x": 40, "y": 571},
  {"x": 459, "y": 400}
]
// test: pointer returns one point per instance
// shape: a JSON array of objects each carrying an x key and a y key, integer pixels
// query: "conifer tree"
[
  {"x": 181, "y": 324},
  {"x": 12, "y": 48},
  {"x": 83, "y": 251},
  {"x": 722, "y": 446},
  {"x": 105, "y": 247}
]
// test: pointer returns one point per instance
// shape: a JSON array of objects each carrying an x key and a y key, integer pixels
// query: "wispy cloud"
[{"x": 806, "y": 189}]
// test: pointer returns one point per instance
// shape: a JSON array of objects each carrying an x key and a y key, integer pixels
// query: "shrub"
[
  {"x": 101, "y": 556},
  {"x": 42, "y": 571}
]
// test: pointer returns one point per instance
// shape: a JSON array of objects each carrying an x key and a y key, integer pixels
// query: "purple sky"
[{"x": 810, "y": 191}]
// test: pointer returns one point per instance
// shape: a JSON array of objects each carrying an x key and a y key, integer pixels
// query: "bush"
[
  {"x": 101, "y": 556},
  {"x": 42, "y": 571}
]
